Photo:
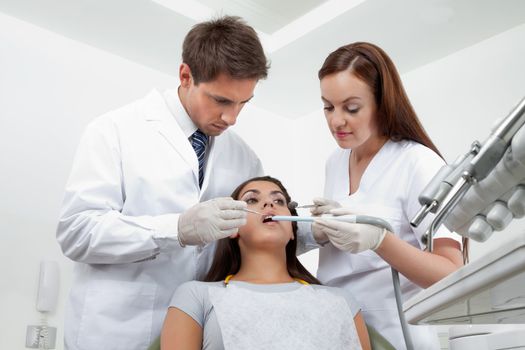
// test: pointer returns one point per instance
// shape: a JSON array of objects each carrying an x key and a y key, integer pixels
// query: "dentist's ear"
[{"x": 185, "y": 76}]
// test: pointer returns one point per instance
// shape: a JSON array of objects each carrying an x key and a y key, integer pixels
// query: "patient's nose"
[{"x": 268, "y": 203}]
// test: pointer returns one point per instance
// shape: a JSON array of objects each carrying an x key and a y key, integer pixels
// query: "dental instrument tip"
[
  {"x": 302, "y": 206},
  {"x": 251, "y": 211}
]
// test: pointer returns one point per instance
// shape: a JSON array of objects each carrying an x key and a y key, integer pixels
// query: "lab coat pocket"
[{"x": 117, "y": 315}]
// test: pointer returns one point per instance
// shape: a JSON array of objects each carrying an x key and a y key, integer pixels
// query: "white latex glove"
[
  {"x": 211, "y": 220},
  {"x": 349, "y": 237},
  {"x": 320, "y": 237},
  {"x": 323, "y": 206}
]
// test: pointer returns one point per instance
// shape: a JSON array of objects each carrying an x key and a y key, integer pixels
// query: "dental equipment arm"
[{"x": 462, "y": 194}]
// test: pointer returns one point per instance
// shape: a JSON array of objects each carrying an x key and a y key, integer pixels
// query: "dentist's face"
[
  {"x": 350, "y": 109},
  {"x": 214, "y": 105},
  {"x": 268, "y": 199}
]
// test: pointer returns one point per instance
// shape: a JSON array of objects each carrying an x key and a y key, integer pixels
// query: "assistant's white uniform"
[
  {"x": 134, "y": 172},
  {"x": 388, "y": 189}
]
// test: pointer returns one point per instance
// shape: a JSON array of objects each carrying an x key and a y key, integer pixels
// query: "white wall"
[{"x": 50, "y": 87}]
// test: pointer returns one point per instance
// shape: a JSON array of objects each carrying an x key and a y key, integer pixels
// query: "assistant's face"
[
  {"x": 268, "y": 199},
  {"x": 214, "y": 106},
  {"x": 350, "y": 109}
]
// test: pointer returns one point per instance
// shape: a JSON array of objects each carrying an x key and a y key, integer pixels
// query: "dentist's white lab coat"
[
  {"x": 134, "y": 171},
  {"x": 388, "y": 189}
]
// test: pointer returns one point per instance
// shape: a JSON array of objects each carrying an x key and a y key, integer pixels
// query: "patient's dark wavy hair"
[{"x": 227, "y": 259}]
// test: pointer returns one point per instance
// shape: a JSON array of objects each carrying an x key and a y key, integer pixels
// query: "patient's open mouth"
[{"x": 267, "y": 218}]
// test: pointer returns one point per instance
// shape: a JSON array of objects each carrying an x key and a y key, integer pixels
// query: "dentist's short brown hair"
[{"x": 226, "y": 45}]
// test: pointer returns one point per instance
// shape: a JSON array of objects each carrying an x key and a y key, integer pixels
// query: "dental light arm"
[{"x": 472, "y": 196}]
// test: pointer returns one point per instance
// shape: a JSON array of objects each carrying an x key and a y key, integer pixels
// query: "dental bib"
[{"x": 302, "y": 318}]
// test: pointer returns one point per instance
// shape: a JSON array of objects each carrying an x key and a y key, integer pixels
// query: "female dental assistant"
[{"x": 384, "y": 161}]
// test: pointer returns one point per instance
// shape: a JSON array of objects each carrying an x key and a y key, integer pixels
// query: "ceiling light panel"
[{"x": 266, "y": 16}]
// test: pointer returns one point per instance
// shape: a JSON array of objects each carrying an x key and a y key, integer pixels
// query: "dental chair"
[
  {"x": 377, "y": 341},
  {"x": 155, "y": 345}
]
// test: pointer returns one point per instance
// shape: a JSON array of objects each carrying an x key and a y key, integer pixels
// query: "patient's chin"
[{"x": 271, "y": 237}]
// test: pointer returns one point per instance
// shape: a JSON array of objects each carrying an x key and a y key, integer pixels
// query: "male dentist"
[{"x": 142, "y": 200}]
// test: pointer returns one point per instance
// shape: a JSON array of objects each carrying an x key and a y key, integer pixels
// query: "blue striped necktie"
[{"x": 199, "y": 140}]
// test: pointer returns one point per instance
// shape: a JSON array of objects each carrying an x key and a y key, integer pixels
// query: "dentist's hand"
[
  {"x": 349, "y": 237},
  {"x": 323, "y": 206},
  {"x": 211, "y": 220}
]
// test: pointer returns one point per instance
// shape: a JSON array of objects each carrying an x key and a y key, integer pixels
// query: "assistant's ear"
[{"x": 185, "y": 76}]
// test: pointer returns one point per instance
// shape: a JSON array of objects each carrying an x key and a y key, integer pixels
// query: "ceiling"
[
  {"x": 267, "y": 16},
  {"x": 297, "y": 34}
]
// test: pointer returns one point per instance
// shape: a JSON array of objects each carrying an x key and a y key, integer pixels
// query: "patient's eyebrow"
[
  {"x": 277, "y": 192},
  {"x": 259, "y": 192},
  {"x": 252, "y": 190}
]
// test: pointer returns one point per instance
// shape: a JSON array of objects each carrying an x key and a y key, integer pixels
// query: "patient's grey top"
[{"x": 193, "y": 299}]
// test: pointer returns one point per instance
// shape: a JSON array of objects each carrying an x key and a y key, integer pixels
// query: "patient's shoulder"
[{"x": 193, "y": 290}]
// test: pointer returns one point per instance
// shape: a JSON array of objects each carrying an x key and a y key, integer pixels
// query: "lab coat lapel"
[{"x": 156, "y": 111}]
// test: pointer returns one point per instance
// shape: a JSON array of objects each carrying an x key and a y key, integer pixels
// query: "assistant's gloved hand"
[
  {"x": 349, "y": 237},
  {"x": 320, "y": 237},
  {"x": 211, "y": 220},
  {"x": 323, "y": 206}
]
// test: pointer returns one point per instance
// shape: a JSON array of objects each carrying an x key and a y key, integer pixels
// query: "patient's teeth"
[{"x": 267, "y": 218}]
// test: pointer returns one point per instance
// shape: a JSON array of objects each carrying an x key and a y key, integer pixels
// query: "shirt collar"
[{"x": 176, "y": 109}]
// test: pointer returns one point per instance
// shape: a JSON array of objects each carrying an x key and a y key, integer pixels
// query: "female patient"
[{"x": 258, "y": 295}]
